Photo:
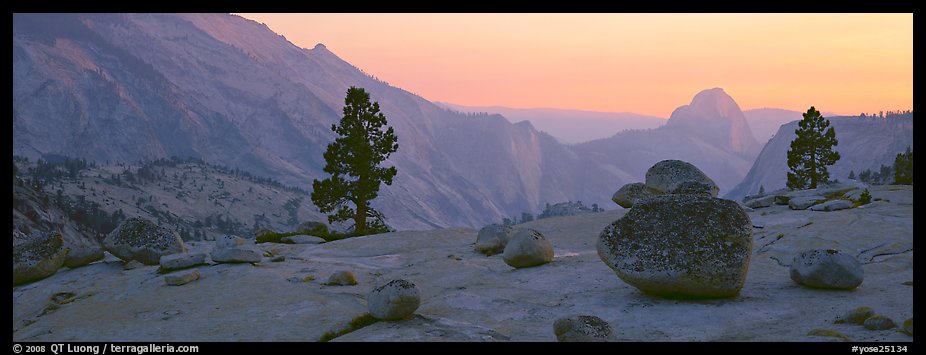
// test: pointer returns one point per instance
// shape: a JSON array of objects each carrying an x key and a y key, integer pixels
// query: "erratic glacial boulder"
[
  {"x": 527, "y": 248},
  {"x": 827, "y": 268},
  {"x": 669, "y": 176},
  {"x": 142, "y": 240},
  {"x": 680, "y": 245},
  {"x": 36, "y": 256},
  {"x": 493, "y": 238},
  {"x": 395, "y": 300}
]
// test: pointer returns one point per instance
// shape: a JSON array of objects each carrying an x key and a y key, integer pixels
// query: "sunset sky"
[{"x": 643, "y": 63}]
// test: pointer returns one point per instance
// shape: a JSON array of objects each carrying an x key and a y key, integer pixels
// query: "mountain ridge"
[{"x": 227, "y": 90}]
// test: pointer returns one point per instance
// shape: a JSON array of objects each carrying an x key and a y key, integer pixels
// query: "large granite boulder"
[
  {"x": 142, "y": 240},
  {"x": 630, "y": 194},
  {"x": 527, "y": 248},
  {"x": 668, "y": 176},
  {"x": 827, "y": 268},
  {"x": 395, "y": 300},
  {"x": 36, "y": 256},
  {"x": 680, "y": 245},
  {"x": 493, "y": 238}
]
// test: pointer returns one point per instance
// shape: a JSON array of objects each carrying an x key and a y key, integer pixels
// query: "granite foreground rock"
[
  {"x": 395, "y": 300},
  {"x": 680, "y": 245},
  {"x": 36, "y": 256},
  {"x": 142, "y": 240},
  {"x": 469, "y": 297},
  {"x": 527, "y": 248},
  {"x": 828, "y": 268},
  {"x": 583, "y": 329}
]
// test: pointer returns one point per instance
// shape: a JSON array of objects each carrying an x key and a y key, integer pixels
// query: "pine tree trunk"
[{"x": 360, "y": 219}]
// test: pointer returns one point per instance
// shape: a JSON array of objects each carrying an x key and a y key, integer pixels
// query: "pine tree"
[
  {"x": 353, "y": 161},
  {"x": 812, "y": 151},
  {"x": 761, "y": 189},
  {"x": 903, "y": 168},
  {"x": 851, "y": 174}
]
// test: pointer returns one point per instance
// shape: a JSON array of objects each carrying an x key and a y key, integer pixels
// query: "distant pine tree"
[
  {"x": 852, "y": 175},
  {"x": 761, "y": 189},
  {"x": 903, "y": 168},
  {"x": 812, "y": 151}
]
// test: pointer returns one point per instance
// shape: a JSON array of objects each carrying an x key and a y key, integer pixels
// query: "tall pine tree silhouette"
[
  {"x": 353, "y": 160},
  {"x": 812, "y": 151}
]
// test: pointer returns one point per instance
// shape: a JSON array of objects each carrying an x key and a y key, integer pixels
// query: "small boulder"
[
  {"x": 527, "y": 248},
  {"x": 131, "y": 265},
  {"x": 395, "y": 300},
  {"x": 302, "y": 239},
  {"x": 236, "y": 255},
  {"x": 629, "y": 194},
  {"x": 829, "y": 269},
  {"x": 879, "y": 322},
  {"x": 36, "y": 256},
  {"x": 858, "y": 315},
  {"x": 668, "y": 175},
  {"x": 761, "y": 202},
  {"x": 680, "y": 245},
  {"x": 805, "y": 201},
  {"x": 582, "y": 329},
  {"x": 229, "y": 241},
  {"x": 493, "y": 238},
  {"x": 181, "y": 278},
  {"x": 140, "y": 239},
  {"x": 181, "y": 261},
  {"x": 342, "y": 278},
  {"x": 832, "y": 205}
]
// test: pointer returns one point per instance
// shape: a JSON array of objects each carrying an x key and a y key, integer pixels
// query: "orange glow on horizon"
[{"x": 642, "y": 63}]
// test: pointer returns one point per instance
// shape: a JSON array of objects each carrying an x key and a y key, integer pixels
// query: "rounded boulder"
[
  {"x": 680, "y": 246},
  {"x": 828, "y": 269},
  {"x": 669, "y": 176},
  {"x": 527, "y": 248},
  {"x": 395, "y": 300},
  {"x": 141, "y": 240}
]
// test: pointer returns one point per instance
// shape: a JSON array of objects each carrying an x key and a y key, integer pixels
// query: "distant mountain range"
[
  {"x": 578, "y": 126},
  {"x": 229, "y": 91},
  {"x": 569, "y": 126},
  {"x": 766, "y": 121},
  {"x": 864, "y": 143}
]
